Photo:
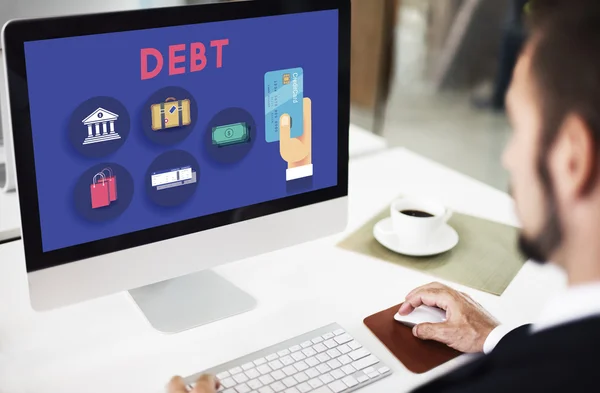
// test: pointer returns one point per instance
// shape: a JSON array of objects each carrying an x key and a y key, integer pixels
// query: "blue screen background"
[{"x": 63, "y": 73}]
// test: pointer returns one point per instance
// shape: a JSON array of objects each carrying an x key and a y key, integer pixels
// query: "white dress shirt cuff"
[
  {"x": 299, "y": 172},
  {"x": 495, "y": 336}
]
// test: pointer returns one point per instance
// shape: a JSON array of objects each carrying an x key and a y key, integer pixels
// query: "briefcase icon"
[{"x": 171, "y": 113}]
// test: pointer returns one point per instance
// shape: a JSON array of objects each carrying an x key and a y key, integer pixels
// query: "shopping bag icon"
[
  {"x": 171, "y": 113},
  {"x": 111, "y": 179},
  {"x": 99, "y": 191}
]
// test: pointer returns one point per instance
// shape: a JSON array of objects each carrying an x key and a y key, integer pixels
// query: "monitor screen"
[{"x": 140, "y": 129}]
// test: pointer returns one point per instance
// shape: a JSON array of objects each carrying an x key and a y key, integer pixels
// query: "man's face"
[{"x": 522, "y": 158}]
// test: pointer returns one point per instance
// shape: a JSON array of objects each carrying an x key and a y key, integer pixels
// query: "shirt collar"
[{"x": 575, "y": 303}]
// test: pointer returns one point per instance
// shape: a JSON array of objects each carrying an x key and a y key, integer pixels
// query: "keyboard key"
[
  {"x": 276, "y": 365},
  {"x": 259, "y": 362},
  {"x": 344, "y": 349},
  {"x": 323, "y": 368},
  {"x": 344, "y": 359},
  {"x": 223, "y": 375},
  {"x": 317, "y": 340},
  {"x": 278, "y": 387},
  {"x": 297, "y": 356},
  {"x": 327, "y": 336},
  {"x": 319, "y": 348},
  {"x": 301, "y": 377},
  {"x": 362, "y": 378},
  {"x": 323, "y": 357},
  {"x": 312, "y": 373},
  {"x": 284, "y": 352},
  {"x": 365, "y": 362},
  {"x": 306, "y": 344},
  {"x": 374, "y": 374},
  {"x": 228, "y": 382},
  {"x": 348, "y": 369},
  {"x": 368, "y": 370},
  {"x": 315, "y": 383},
  {"x": 383, "y": 370},
  {"x": 343, "y": 338},
  {"x": 224, "y": 391},
  {"x": 287, "y": 360},
  {"x": 338, "y": 374},
  {"x": 252, "y": 374},
  {"x": 334, "y": 364},
  {"x": 255, "y": 384},
  {"x": 264, "y": 369},
  {"x": 235, "y": 370},
  {"x": 240, "y": 378},
  {"x": 350, "y": 381},
  {"x": 266, "y": 389},
  {"x": 337, "y": 386},
  {"x": 333, "y": 353},
  {"x": 289, "y": 370},
  {"x": 292, "y": 390},
  {"x": 289, "y": 382},
  {"x": 312, "y": 361},
  {"x": 301, "y": 365},
  {"x": 338, "y": 332},
  {"x": 266, "y": 379},
  {"x": 354, "y": 345},
  {"x": 243, "y": 388},
  {"x": 359, "y": 354},
  {"x": 326, "y": 378},
  {"x": 330, "y": 344},
  {"x": 304, "y": 387},
  {"x": 295, "y": 348},
  {"x": 278, "y": 375},
  {"x": 248, "y": 366},
  {"x": 308, "y": 352},
  {"x": 272, "y": 357}
]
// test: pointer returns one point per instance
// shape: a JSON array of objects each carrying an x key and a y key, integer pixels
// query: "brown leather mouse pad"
[{"x": 418, "y": 356}]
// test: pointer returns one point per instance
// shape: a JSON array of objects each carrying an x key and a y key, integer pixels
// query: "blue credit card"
[{"x": 284, "y": 93}]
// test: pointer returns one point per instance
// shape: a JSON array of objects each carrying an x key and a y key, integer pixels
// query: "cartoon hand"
[{"x": 297, "y": 152}]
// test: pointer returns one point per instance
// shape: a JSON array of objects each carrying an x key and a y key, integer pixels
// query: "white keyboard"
[{"x": 326, "y": 360}]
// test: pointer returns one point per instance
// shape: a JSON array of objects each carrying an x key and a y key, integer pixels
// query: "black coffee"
[{"x": 416, "y": 213}]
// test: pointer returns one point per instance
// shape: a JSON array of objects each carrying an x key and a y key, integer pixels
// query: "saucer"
[{"x": 445, "y": 240}]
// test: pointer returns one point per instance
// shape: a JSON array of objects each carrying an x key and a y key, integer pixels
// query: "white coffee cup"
[{"x": 418, "y": 231}]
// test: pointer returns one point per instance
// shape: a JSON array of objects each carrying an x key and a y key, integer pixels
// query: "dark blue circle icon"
[
  {"x": 230, "y": 136},
  {"x": 103, "y": 192},
  {"x": 172, "y": 178},
  {"x": 169, "y": 115},
  {"x": 99, "y": 127}
]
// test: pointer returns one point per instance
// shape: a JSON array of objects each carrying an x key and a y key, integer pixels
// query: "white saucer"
[{"x": 445, "y": 240}]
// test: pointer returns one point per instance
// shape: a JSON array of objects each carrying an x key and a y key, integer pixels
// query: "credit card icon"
[{"x": 284, "y": 93}]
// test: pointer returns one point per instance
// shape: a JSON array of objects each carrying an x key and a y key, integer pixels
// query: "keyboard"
[{"x": 326, "y": 360}]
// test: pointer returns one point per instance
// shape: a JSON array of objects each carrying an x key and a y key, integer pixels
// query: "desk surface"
[{"x": 106, "y": 345}]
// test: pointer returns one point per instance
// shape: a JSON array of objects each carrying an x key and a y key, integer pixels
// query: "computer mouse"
[{"x": 422, "y": 314}]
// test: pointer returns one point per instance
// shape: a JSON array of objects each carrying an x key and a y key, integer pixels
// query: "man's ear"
[{"x": 572, "y": 159}]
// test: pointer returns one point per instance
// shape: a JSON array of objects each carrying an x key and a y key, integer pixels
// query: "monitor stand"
[{"x": 183, "y": 303}]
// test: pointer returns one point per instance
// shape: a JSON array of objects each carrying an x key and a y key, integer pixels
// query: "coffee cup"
[{"x": 416, "y": 220}]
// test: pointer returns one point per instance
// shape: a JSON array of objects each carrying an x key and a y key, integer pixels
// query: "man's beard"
[{"x": 540, "y": 248}]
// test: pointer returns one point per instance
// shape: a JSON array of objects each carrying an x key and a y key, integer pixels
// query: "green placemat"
[{"x": 486, "y": 257}]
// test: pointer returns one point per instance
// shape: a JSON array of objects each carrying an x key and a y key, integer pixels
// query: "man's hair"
[{"x": 565, "y": 66}]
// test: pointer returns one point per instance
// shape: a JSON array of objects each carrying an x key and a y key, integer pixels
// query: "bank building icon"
[{"x": 101, "y": 127}]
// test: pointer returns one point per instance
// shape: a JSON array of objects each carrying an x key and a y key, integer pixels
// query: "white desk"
[
  {"x": 362, "y": 143},
  {"x": 106, "y": 345}
]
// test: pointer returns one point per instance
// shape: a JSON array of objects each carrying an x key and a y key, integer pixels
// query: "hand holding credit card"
[
  {"x": 297, "y": 152},
  {"x": 284, "y": 93}
]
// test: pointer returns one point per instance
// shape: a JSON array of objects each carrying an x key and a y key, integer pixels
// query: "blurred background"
[{"x": 428, "y": 75}]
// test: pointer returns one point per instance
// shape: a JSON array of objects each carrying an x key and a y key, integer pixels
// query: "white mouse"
[{"x": 422, "y": 314}]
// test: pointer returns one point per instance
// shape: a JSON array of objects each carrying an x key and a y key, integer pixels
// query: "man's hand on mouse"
[
  {"x": 205, "y": 384},
  {"x": 467, "y": 324}
]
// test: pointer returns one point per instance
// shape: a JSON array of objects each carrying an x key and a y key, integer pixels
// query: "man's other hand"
[
  {"x": 467, "y": 324},
  {"x": 205, "y": 384}
]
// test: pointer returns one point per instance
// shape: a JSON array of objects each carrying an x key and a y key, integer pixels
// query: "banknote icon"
[{"x": 231, "y": 134}]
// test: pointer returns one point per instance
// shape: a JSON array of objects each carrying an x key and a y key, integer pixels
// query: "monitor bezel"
[{"x": 17, "y": 33}]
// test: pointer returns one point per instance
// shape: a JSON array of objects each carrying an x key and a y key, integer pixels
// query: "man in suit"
[{"x": 554, "y": 162}]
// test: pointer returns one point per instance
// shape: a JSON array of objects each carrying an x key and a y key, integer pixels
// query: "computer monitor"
[{"x": 154, "y": 144}]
